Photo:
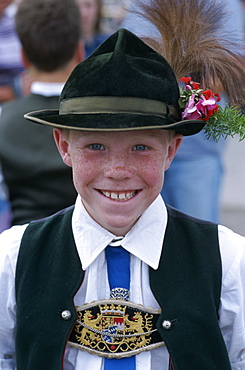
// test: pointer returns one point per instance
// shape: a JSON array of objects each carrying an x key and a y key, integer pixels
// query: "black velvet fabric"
[{"x": 122, "y": 66}]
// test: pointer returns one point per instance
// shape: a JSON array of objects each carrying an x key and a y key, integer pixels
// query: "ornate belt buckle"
[{"x": 114, "y": 328}]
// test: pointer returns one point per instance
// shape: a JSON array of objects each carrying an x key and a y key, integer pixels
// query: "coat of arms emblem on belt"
[{"x": 115, "y": 328}]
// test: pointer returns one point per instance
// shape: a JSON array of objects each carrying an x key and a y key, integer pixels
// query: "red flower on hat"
[
  {"x": 188, "y": 81},
  {"x": 195, "y": 102}
]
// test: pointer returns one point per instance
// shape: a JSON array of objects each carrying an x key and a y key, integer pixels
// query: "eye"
[
  {"x": 140, "y": 147},
  {"x": 96, "y": 147}
]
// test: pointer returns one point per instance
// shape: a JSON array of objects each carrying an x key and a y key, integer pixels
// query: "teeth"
[{"x": 120, "y": 197}]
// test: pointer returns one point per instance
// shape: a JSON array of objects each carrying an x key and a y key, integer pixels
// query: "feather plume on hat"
[{"x": 193, "y": 40}]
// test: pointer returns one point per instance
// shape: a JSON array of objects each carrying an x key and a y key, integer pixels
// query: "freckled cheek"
[
  {"x": 85, "y": 170},
  {"x": 152, "y": 171}
]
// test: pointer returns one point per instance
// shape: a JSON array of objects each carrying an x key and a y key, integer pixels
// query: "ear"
[
  {"x": 174, "y": 145},
  {"x": 62, "y": 143},
  {"x": 80, "y": 52},
  {"x": 25, "y": 59}
]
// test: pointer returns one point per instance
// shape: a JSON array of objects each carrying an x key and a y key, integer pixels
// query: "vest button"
[
  {"x": 66, "y": 315},
  {"x": 166, "y": 324}
]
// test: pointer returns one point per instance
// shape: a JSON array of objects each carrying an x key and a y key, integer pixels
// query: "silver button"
[
  {"x": 66, "y": 315},
  {"x": 166, "y": 324}
]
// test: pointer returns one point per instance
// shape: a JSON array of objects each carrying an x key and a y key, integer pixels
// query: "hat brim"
[{"x": 113, "y": 122}]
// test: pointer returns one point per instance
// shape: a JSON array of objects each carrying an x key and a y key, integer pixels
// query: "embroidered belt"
[{"x": 115, "y": 328}]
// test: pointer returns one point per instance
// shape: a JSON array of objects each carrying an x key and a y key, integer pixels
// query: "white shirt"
[
  {"x": 91, "y": 240},
  {"x": 47, "y": 88}
]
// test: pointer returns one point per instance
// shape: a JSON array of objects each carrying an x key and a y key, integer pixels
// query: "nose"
[{"x": 118, "y": 168}]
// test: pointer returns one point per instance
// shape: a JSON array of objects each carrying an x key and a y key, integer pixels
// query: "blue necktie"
[{"x": 118, "y": 267}]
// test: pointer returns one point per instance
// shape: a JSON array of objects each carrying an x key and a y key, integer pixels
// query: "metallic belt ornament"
[{"x": 115, "y": 328}]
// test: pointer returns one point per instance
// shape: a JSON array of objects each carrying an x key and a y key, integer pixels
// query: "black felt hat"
[{"x": 124, "y": 85}]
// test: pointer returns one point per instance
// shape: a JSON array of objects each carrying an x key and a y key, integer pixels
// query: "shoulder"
[
  {"x": 232, "y": 303},
  {"x": 175, "y": 213},
  {"x": 232, "y": 250},
  {"x": 9, "y": 105},
  {"x": 51, "y": 226},
  {"x": 32, "y": 101},
  {"x": 12, "y": 119},
  {"x": 190, "y": 223},
  {"x": 15, "y": 109},
  {"x": 10, "y": 241},
  {"x": 22, "y": 103}
]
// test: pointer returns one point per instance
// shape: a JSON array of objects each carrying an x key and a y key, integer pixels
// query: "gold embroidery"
[{"x": 115, "y": 328}]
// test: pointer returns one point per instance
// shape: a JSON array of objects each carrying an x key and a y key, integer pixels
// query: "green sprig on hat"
[{"x": 228, "y": 121}]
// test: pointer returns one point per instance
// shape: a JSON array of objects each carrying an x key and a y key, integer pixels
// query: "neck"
[{"x": 56, "y": 76}]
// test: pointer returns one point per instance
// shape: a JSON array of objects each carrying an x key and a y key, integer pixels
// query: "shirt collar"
[
  {"x": 144, "y": 240},
  {"x": 47, "y": 88}
]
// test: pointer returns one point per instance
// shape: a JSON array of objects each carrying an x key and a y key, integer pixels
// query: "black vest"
[
  {"x": 38, "y": 181},
  {"x": 187, "y": 286}
]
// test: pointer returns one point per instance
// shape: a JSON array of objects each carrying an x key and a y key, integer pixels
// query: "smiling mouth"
[{"x": 119, "y": 196}]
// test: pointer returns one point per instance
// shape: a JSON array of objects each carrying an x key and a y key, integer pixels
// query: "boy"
[{"x": 183, "y": 308}]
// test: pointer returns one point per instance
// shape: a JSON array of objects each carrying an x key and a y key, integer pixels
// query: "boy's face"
[{"x": 118, "y": 174}]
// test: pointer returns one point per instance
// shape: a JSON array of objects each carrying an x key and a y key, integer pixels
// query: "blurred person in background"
[
  {"x": 38, "y": 181},
  {"x": 11, "y": 65},
  {"x": 92, "y": 34}
]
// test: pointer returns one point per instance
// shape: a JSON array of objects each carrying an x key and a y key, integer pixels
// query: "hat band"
[{"x": 116, "y": 105}]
